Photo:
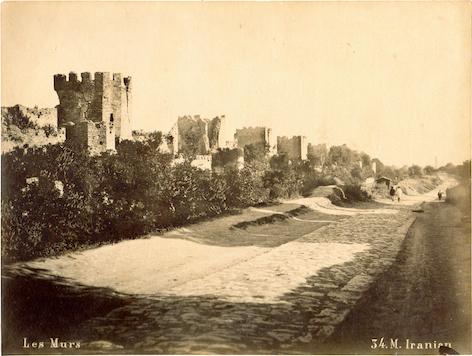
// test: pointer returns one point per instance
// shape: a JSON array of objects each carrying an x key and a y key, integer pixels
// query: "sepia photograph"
[{"x": 236, "y": 178}]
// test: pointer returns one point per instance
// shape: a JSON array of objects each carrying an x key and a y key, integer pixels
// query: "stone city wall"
[
  {"x": 195, "y": 135},
  {"x": 294, "y": 147},
  {"x": 97, "y": 137}
]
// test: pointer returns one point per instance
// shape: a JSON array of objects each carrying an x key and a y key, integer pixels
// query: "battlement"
[
  {"x": 253, "y": 128},
  {"x": 288, "y": 138},
  {"x": 259, "y": 135},
  {"x": 196, "y": 117},
  {"x": 61, "y": 82},
  {"x": 102, "y": 100}
]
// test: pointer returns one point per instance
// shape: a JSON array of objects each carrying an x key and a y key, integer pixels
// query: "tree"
[
  {"x": 388, "y": 172},
  {"x": 343, "y": 156},
  {"x": 255, "y": 152},
  {"x": 356, "y": 173},
  {"x": 415, "y": 171},
  {"x": 279, "y": 162},
  {"x": 429, "y": 170},
  {"x": 245, "y": 187},
  {"x": 365, "y": 159},
  {"x": 317, "y": 154}
]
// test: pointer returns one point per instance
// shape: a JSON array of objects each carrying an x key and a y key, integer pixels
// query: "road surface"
[{"x": 425, "y": 296}]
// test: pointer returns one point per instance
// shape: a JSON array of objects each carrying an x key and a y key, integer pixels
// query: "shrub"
[
  {"x": 336, "y": 199},
  {"x": 49, "y": 130},
  {"x": 245, "y": 187},
  {"x": 415, "y": 171},
  {"x": 354, "y": 193},
  {"x": 14, "y": 116}
]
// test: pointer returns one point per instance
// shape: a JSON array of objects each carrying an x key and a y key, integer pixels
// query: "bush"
[
  {"x": 336, "y": 199},
  {"x": 13, "y": 116},
  {"x": 415, "y": 171},
  {"x": 313, "y": 180},
  {"x": 49, "y": 130},
  {"x": 354, "y": 193}
]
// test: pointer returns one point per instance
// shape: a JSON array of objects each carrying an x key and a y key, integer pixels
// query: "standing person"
[
  {"x": 392, "y": 193},
  {"x": 399, "y": 193},
  {"x": 440, "y": 193}
]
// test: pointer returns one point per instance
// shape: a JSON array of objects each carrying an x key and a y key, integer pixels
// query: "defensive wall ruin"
[
  {"x": 195, "y": 135},
  {"x": 258, "y": 136},
  {"x": 94, "y": 111},
  {"x": 294, "y": 147}
]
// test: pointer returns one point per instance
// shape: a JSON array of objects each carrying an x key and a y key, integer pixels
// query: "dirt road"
[{"x": 425, "y": 296}]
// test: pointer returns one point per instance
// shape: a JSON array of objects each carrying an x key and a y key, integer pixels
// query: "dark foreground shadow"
[{"x": 41, "y": 308}]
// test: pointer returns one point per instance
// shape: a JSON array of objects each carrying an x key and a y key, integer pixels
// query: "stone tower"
[
  {"x": 294, "y": 147},
  {"x": 261, "y": 136},
  {"x": 94, "y": 111}
]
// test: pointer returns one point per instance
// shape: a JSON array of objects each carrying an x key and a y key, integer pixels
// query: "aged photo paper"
[{"x": 236, "y": 177}]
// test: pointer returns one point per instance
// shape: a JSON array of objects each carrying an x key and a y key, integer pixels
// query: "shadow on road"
[{"x": 39, "y": 308}]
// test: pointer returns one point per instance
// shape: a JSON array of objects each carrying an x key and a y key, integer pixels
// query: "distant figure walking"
[
  {"x": 399, "y": 193},
  {"x": 440, "y": 194},
  {"x": 392, "y": 193}
]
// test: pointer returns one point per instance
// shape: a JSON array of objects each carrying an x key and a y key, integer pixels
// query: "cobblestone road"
[{"x": 266, "y": 304}]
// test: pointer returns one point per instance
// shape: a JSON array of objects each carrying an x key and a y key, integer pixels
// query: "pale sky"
[{"x": 391, "y": 79}]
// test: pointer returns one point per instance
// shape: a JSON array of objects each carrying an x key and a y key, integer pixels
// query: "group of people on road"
[{"x": 396, "y": 193}]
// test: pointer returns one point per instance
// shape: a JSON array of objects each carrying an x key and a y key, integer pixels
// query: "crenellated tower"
[{"x": 94, "y": 107}]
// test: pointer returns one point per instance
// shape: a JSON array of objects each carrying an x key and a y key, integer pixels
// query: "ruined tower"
[
  {"x": 260, "y": 136},
  {"x": 94, "y": 111},
  {"x": 197, "y": 135},
  {"x": 294, "y": 147}
]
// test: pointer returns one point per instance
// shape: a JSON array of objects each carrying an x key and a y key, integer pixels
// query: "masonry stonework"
[
  {"x": 94, "y": 111},
  {"x": 194, "y": 135},
  {"x": 294, "y": 147},
  {"x": 258, "y": 136}
]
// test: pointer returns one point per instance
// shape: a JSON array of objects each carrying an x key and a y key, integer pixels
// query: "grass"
[
  {"x": 255, "y": 228},
  {"x": 270, "y": 219}
]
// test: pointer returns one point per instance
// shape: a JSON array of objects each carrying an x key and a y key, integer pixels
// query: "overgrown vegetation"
[
  {"x": 76, "y": 200},
  {"x": 22, "y": 126}
]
